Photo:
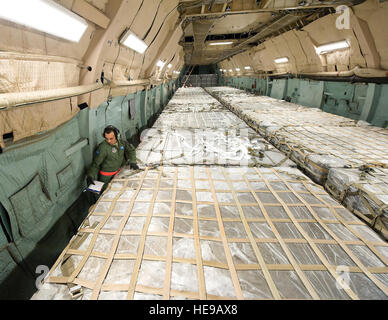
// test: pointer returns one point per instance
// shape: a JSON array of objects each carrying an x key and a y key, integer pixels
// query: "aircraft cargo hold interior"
[{"x": 193, "y": 150}]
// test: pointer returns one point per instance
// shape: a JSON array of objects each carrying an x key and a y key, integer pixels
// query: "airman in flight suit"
[{"x": 110, "y": 156}]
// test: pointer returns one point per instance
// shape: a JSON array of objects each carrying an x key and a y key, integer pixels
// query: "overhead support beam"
[
  {"x": 211, "y": 5},
  {"x": 224, "y": 7},
  {"x": 201, "y": 30},
  {"x": 203, "y": 9},
  {"x": 265, "y": 3},
  {"x": 266, "y": 31},
  {"x": 167, "y": 43},
  {"x": 366, "y": 42},
  {"x": 214, "y": 15},
  {"x": 89, "y": 12},
  {"x": 275, "y": 25}
]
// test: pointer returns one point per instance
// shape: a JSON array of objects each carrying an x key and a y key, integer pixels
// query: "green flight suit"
[{"x": 110, "y": 158}]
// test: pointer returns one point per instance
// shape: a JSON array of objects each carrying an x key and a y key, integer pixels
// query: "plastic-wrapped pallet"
[
  {"x": 173, "y": 107},
  {"x": 364, "y": 192},
  {"x": 219, "y": 233},
  {"x": 198, "y": 120},
  {"x": 320, "y": 143},
  {"x": 268, "y": 111},
  {"x": 296, "y": 116},
  {"x": 319, "y": 149},
  {"x": 316, "y": 140},
  {"x": 208, "y": 146},
  {"x": 193, "y": 100}
]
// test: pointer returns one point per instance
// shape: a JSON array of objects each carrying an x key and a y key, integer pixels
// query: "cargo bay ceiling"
[
  {"x": 240, "y": 24},
  {"x": 35, "y": 65},
  {"x": 244, "y": 24}
]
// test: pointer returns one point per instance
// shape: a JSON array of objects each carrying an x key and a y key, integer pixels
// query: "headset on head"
[{"x": 111, "y": 128}]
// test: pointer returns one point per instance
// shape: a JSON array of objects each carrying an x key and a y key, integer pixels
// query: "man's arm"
[
  {"x": 98, "y": 159},
  {"x": 130, "y": 152}
]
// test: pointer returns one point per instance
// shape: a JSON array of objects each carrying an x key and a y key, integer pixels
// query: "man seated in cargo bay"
[{"x": 110, "y": 156}]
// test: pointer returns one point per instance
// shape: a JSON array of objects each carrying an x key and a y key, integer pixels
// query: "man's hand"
[
  {"x": 89, "y": 180},
  {"x": 134, "y": 166}
]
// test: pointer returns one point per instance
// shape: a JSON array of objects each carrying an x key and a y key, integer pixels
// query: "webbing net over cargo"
[
  {"x": 194, "y": 107},
  {"x": 208, "y": 146},
  {"x": 192, "y": 136},
  {"x": 186, "y": 96},
  {"x": 322, "y": 144},
  {"x": 270, "y": 112},
  {"x": 213, "y": 231},
  {"x": 199, "y": 120},
  {"x": 193, "y": 100},
  {"x": 216, "y": 233},
  {"x": 356, "y": 145},
  {"x": 366, "y": 192}
]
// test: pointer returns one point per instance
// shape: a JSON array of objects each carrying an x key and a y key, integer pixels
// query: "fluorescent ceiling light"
[
  {"x": 46, "y": 16},
  {"x": 132, "y": 41},
  {"x": 237, "y": 69},
  {"x": 160, "y": 64},
  {"x": 230, "y": 70},
  {"x": 221, "y": 43},
  {"x": 281, "y": 60},
  {"x": 332, "y": 47},
  {"x": 247, "y": 68}
]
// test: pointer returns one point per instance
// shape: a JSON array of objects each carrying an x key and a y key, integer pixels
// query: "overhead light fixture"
[
  {"x": 160, "y": 64},
  {"x": 221, "y": 43},
  {"x": 281, "y": 60},
  {"x": 169, "y": 66},
  {"x": 130, "y": 40},
  {"x": 332, "y": 47},
  {"x": 247, "y": 68},
  {"x": 237, "y": 69},
  {"x": 46, "y": 16},
  {"x": 230, "y": 70}
]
